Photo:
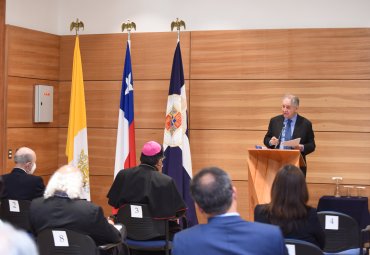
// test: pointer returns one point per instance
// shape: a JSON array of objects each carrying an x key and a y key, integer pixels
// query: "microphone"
[{"x": 281, "y": 132}]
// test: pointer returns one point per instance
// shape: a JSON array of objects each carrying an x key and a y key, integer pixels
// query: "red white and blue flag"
[
  {"x": 125, "y": 148},
  {"x": 177, "y": 162}
]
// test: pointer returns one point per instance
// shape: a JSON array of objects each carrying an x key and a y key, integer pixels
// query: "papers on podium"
[{"x": 291, "y": 143}]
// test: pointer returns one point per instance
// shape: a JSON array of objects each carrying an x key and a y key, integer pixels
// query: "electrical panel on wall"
[{"x": 43, "y": 103}]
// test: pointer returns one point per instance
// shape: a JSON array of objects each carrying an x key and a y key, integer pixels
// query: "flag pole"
[
  {"x": 178, "y": 24},
  {"x": 129, "y": 25},
  {"x": 76, "y": 25}
]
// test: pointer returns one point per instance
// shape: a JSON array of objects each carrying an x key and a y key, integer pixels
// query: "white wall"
[{"x": 106, "y": 16}]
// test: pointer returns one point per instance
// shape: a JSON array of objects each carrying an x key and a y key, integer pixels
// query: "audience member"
[
  {"x": 226, "y": 232},
  {"x": 21, "y": 184},
  {"x": 289, "y": 210},
  {"x": 15, "y": 242},
  {"x": 145, "y": 184},
  {"x": 62, "y": 207}
]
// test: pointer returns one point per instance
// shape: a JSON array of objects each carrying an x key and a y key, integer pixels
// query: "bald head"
[
  {"x": 25, "y": 158},
  {"x": 212, "y": 190},
  {"x": 67, "y": 180}
]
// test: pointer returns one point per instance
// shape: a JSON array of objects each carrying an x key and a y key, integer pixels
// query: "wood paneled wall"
[
  {"x": 32, "y": 58},
  {"x": 235, "y": 81},
  {"x": 2, "y": 83}
]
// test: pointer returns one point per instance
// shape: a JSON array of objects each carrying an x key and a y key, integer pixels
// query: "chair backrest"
[
  {"x": 365, "y": 239},
  {"x": 341, "y": 231},
  {"x": 139, "y": 223},
  {"x": 299, "y": 247},
  {"x": 16, "y": 212},
  {"x": 64, "y": 241}
]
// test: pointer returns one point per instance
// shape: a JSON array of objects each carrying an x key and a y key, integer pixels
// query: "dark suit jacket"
[
  {"x": 308, "y": 229},
  {"x": 19, "y": 185},
  {"x": 74, "y": 214},
  {"x": 302, "y": 129},
  {"x": 229, "y": 235}
]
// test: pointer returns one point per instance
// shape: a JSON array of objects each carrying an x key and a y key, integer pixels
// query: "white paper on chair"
[
  {"x": 14, "y": 206},
  {"x": 291, "y": 143},
  {"x": 136, "y": 211},
  {"x": 60, "y": 238},
  {"x": 290, "y": 248},
  {"x": 331, "y": 222}
]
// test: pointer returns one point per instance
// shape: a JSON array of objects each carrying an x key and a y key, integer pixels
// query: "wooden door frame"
[{"x": 3, "y": 98}]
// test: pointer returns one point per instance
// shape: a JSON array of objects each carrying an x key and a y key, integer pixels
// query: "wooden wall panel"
[
  {"x": 103, "y": 55},
  {"x": 32, "y": 54},
  {"x": 340, "y": 154},
  {"x": 21, "y": 102},
  {"x": 44, "y": 141},
  {"x": 227, "y": 149},
  {"x": 103, "y": 98},
  {"x": 281, "y": 54},
  {"x": 249, "y": 104},
  {"x": 2, "y": 85},
  {"x": 152, "y": 54}
]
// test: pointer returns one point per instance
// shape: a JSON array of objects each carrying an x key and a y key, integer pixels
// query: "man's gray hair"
[
  {"x": 294, "y": 100},
  {"x": 68, "y": 180},
  {"x": 23, "y": 158}
]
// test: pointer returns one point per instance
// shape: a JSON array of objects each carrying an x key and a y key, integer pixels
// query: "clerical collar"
[
  {"x": 60, "y": 194},
  {"x": 142, "y": 164}
]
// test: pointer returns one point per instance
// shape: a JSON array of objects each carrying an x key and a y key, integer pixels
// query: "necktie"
[{"x": 288, "y": 133}]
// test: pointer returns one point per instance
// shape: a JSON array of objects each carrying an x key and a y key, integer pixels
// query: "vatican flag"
[{"x": 76, "y": 149}]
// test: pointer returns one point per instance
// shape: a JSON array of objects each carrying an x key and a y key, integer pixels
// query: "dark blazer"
[
  {"x": 19, "y": 185},
  {"x": 308, "y": 229},
  {"x": 302, "y": 129},
  {"x": 229, "y": 235},
  {"x": 74, "y": 214}
]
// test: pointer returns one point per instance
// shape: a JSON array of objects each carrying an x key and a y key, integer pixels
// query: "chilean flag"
[
  {"x": 177, "y": 162},
  {"x": 125, "y": 148}
]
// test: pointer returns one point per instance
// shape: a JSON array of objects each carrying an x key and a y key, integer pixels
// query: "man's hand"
[{"x": 274, "y": 141}]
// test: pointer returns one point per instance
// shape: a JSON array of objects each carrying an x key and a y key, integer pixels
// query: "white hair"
[
  {"x": 15, "y": 242},
  {"x": 67, "y": 179}
]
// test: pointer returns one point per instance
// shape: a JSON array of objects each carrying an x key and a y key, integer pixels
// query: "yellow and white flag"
[{"x": 76, "y": 149}]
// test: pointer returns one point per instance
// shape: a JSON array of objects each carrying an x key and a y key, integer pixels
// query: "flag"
[
  {"x": 125, "y": 147},
  {"x": 177, "y": 162},
  {"x": 76, "y": 149}
]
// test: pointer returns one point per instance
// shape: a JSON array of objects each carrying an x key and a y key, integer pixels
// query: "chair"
[
  {"x": 365, "y": 239},
  {"x": 142, "y": 229},
  {"x": 299, "y": 247},
  {"x": 16, "y": 212},
  {"x": 64, "y": 241},
  {"x": 342, "y": 234}
]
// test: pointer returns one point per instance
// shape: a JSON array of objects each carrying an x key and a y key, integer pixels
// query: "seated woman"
[{"x": 289, "y": 210}]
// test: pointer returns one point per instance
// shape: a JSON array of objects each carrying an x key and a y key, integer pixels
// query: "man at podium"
[{"x": 288, "y": 126}]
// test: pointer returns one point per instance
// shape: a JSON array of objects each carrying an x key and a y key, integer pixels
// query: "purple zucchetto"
[{"x": 151, "y": 148}]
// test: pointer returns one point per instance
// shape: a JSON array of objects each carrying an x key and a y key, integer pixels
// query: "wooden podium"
[{"x": 263, "y": 164}]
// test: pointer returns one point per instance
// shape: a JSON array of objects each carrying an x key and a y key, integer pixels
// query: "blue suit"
[{"x": 230, "y": 235}]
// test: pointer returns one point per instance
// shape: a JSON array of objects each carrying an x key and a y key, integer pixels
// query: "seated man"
[
  {"x": 145, "y": 184},
  {"x": 226, "y": 232},
  {"x": 21, "y": 184},
  {"x": 61, "y": 207}
]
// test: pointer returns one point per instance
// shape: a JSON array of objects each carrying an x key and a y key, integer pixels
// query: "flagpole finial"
[
  {"x": 77, "y": 25},
  {"x": 129, "y": 25},
  {"x": 178, "y": 24}
]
